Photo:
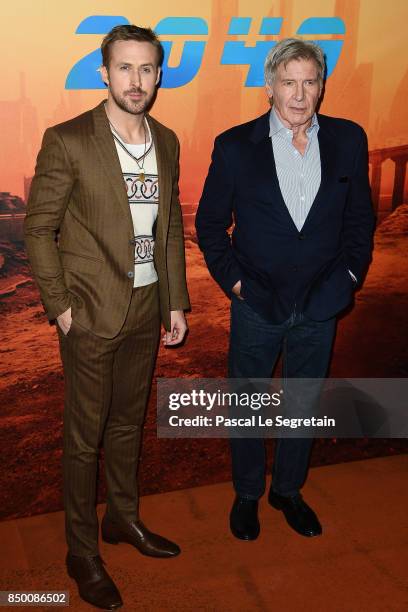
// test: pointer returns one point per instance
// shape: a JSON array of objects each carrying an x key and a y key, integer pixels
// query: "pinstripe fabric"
[
  {"x": 78, "y": 190},
  {"x": 109, "y": 353},
  {"x": 299, "y": 175},
  {"x": 107, "y": 383}
]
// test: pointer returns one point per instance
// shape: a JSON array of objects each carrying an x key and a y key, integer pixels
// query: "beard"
[{"x": 134, "y": 107}]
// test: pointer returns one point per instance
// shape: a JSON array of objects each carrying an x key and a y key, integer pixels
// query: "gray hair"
[{"x": 290, "y": 49}]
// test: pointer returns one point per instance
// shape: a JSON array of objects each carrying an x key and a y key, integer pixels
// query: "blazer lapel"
[
  {"x": 106, "y": 149},
  {"x": 328, "y": 163},
  {"x": 264, "y": 161},
  {"x": 164, "y": 177},
  {"x": 328, "y": 160}
]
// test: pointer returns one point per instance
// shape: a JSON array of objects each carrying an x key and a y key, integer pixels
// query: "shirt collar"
[{"x": 276, "y": 125}]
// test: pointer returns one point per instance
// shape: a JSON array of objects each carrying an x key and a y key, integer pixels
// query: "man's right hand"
[
  {"x": 237, "y": 290},
  {"x": 64, "y": 320}
]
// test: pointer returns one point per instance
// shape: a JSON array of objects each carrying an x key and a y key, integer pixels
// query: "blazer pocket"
[{"x": 80, "y": 263}]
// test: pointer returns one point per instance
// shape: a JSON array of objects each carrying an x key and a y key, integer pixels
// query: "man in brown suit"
[{"x": 105, "y": 241}]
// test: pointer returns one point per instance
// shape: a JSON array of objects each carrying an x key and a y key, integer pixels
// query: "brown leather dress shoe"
[
  {"x": 138, "y": 535},
  {"x": 95, "y": 586}
]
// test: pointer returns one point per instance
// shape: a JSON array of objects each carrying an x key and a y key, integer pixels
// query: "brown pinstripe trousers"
[{"x": 107, "y": 385}]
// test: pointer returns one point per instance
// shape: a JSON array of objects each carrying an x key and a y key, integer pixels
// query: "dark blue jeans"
[{"x": 255, "y": 345}]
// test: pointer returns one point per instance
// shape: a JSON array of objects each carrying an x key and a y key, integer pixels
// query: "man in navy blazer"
[{"x": 295, "y": 185}]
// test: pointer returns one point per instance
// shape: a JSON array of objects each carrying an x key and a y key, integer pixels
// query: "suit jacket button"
[
  {"x": 295, "y": 268},
  {"x": 132, "y": 242},
  {"x": 130, "y": 274},
  {"x": 301, "y": 236}
]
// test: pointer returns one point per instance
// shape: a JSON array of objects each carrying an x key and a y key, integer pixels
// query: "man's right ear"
[{"x": 104, "y": 75}]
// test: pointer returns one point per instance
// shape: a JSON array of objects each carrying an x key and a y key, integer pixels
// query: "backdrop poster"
[{"x": 212, "y": 80}]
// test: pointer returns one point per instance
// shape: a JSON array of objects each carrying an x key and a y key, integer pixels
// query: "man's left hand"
[{"x": 178, "y": 328}]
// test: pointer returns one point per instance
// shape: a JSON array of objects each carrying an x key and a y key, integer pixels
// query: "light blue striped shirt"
[{"x": 298, "y": 175}]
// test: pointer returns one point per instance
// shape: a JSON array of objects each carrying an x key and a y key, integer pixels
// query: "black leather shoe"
[
  {"x": 244, "y": 521},
  {"x": 138, "y": 535},
  {"x": 297, "y": 513},
  {"x": 95, "y": 586}
]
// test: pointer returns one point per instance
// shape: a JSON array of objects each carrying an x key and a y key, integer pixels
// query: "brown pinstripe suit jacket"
[{"x": 78, "y": 192}]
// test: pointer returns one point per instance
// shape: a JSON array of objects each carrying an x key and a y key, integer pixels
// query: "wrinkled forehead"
[{"x": 301, "y": 67}]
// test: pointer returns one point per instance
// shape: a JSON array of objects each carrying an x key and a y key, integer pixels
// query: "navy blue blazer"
[{"x": 280, "y": 268}]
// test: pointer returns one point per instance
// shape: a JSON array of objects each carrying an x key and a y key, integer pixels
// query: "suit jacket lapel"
[
  {"x": 106, "y": 149},
  {"x": 264, "y": 161},
  {"x": 328, "y": 162},
  {"x": 164, "y": 174}
]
